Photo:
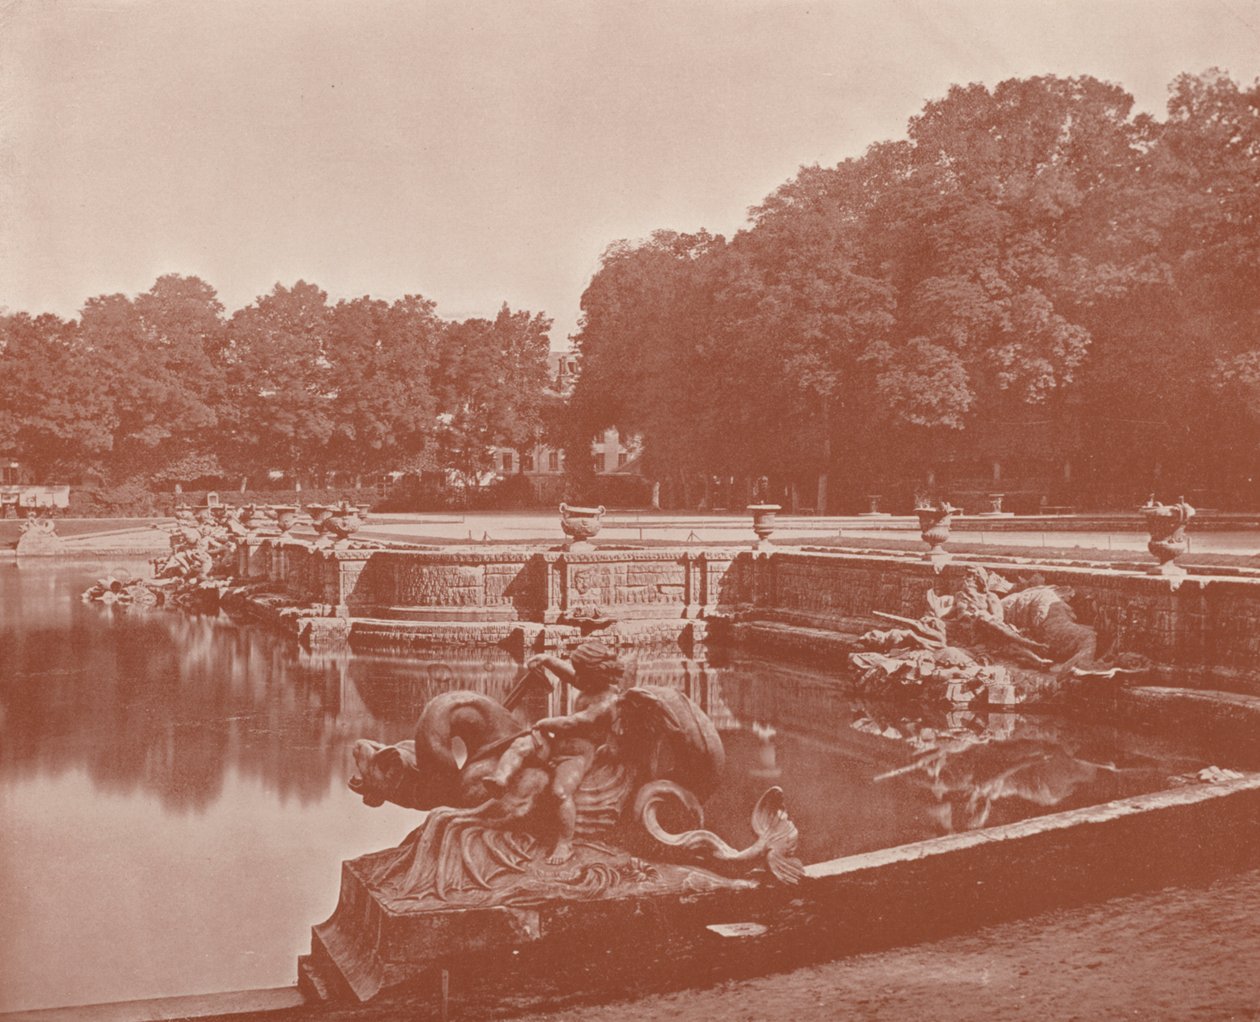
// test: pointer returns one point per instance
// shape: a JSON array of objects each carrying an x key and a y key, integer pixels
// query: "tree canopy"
[
  {"x": 164, "y": 387},
  {"x": 1031, "y": 254}
]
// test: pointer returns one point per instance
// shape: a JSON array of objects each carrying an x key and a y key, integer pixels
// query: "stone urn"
[
  {"x": 764, "y": 521},
  {"x": 580, "y": 524},
  {"x": 343, "y": 523},
  {"x": 319, "y": 514},
  {"x": 934, "y": 525},
  {"x": 286, "y": 518},
  {"x": 1166, "y": 525},
  {"x": 995, "y": 504}
]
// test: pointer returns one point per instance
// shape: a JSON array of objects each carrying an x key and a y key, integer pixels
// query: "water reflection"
[{"x": 175, "y": 808}]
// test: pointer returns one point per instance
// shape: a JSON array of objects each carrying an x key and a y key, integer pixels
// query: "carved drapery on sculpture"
[
  {"x": 989, "y": 638},
  {"x": 480, "y": 845}
]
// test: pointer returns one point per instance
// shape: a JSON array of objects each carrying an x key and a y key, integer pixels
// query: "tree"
[
  {"x": 995, "y": 221},
  {"x": 281, "y": 382},
  {"x": 643, "y": 361},
  {"x": 380, "y": 359},
  {"x": 54, "y": 415},
  {"x": 156, "y": 360},
  {"x": 491, "y": 378}
]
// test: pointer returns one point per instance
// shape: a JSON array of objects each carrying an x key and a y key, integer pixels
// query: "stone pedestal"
[
  {"x": 372, "y": 948},
  {"x": 875, "y": 512}
]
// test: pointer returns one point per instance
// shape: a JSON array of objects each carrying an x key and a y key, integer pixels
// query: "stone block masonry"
[{"x": 1207, "y": 626}]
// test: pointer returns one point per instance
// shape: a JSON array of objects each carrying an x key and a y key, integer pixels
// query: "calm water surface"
[{"x": 173, "y": 806}]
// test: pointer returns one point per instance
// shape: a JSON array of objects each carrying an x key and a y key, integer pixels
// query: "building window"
[
  {"x": 600, "y": 462},
  {"x": 553, "y": 462},
  {"x": 527, "y": 463},
  {"x": 507, "y": 462},
  {"x": 622, "y": 458}
]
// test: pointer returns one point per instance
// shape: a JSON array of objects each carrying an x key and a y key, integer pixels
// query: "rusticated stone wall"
[
  {"x": 1204, "y": 623},
  {"x": 512, "y": 585}
]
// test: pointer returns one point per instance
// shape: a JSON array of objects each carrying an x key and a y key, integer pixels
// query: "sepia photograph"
[{"x": 626, "y": 510}]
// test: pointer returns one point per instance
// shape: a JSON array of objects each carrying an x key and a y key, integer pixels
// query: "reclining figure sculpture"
[
  {"x": 569, "y": 808},
  {"x": 988, "y": 633}
]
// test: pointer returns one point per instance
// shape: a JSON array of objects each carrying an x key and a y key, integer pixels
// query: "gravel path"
[{"x": 1178, "y": 954}]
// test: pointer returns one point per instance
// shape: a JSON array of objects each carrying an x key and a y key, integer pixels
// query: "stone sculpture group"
[
  {"x": 203, "y": 550},
  {"x": 990, "y": 638},
  {"x": 38, "y": 535},
  {"x": 569, "y": 808}
]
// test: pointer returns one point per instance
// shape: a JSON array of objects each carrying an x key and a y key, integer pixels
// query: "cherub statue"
[{"x": 567, "y": 744}]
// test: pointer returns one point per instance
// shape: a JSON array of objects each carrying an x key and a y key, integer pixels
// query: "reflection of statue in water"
[
  {"x": 987, "y": 633},
  {"x": 974, "y": 764},
  {"x": 563, "y": 809}
]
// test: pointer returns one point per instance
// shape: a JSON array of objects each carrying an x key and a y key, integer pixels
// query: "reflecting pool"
[{"x": 173, "y": 801}]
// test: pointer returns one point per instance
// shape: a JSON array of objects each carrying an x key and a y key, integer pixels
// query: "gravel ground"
[{"x": 1178, "y": 954}]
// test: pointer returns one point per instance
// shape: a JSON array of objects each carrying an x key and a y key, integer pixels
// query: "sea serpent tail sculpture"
[{"x": 776, "y": 833}]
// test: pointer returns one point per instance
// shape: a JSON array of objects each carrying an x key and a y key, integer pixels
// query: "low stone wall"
[
  {"x": 494, "y": 584},
  {"x": 1201, "y": 623}
]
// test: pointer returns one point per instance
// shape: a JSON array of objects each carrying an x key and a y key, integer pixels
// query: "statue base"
[{"x": 375, "y": 943}]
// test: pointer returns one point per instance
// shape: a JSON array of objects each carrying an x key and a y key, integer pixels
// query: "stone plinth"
[{"x": 371, "y": 944}]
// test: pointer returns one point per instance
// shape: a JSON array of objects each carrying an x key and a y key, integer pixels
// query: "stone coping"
[
  {"x": 1189, "y": 795},
  {"x": 238, "y": 1003}
]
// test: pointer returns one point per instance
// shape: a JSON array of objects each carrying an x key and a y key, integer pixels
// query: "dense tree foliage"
[
  {"x": 1034, "y": 276},
  {"x": 164, "y": 388},
  {"x": 1034, "y": 272}
]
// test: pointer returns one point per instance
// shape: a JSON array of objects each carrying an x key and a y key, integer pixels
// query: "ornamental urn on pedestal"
[
  {"x": 343, "y": 523},
  {"x": 764, "y": 521},
  {"x": 1166, "y": 525},
  {"x": 580, "y": 524},
  {"x": 934, "y": 525},
  {"x": 319, "y": 514},
  {"x": 286, "y": 518}
]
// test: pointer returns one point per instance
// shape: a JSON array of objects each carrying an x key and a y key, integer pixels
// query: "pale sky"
[{"x": 476, "y": 152}]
